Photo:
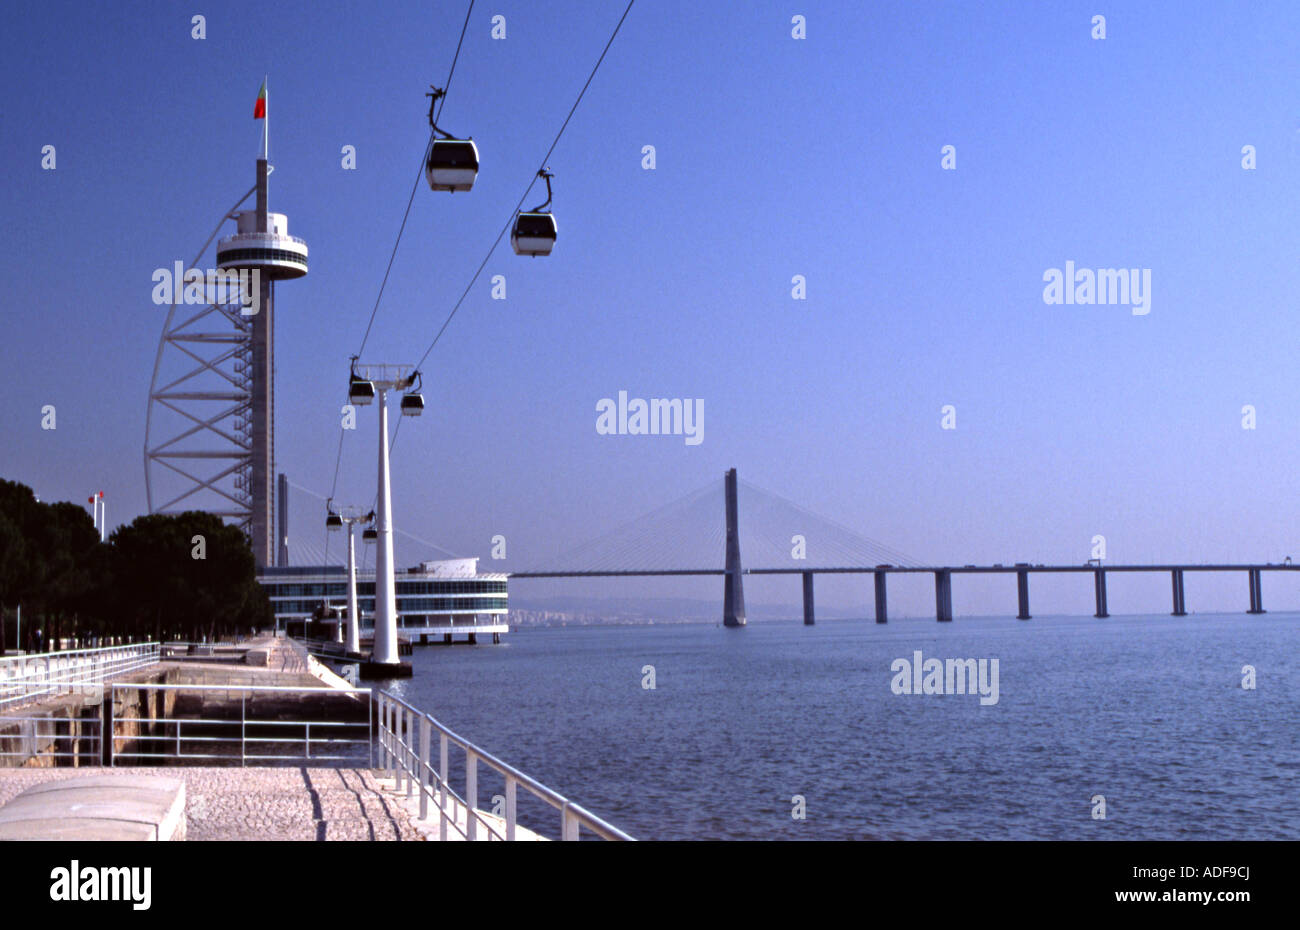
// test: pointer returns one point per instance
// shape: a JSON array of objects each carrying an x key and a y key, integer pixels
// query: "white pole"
[
  {"x": 103, "y": 518},
  {"x": 19, "y": 632},
  {"x": 385, "y": 649},
  {"x": 266, "y": 122},
  {"x": 354, "y": 615}
]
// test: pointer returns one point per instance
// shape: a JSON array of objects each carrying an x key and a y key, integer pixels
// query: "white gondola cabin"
[
  {"x": 412, "y": 405},
  {"x": 452, "y": 165},
  {"x": 360, "y": 392},
  {"x": 534, "y": 234}
]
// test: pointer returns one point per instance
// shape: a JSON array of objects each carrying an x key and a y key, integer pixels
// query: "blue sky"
[{"x": 775, "y": 157}]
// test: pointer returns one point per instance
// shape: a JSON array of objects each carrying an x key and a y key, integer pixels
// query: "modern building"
[{"x": 442, "y": 598}]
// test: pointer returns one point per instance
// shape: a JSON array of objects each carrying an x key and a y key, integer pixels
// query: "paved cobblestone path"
[{"x": 264, "y": 803}]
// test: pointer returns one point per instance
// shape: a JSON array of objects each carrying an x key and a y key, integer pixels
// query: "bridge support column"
[
  {"x": 1180, "y": 606},
  {"x": 1099, "y": 581},
  {"x": 733, "y": 594},
  {"x": 943, "y": 595},
  {"x": 808, "y": 599},
  {"x": 882, "y": 611},
  {"x": 1022, "y": 594},
  {"x": 1256, "y": 594}
]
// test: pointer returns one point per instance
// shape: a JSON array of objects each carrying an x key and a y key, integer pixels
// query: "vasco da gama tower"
[{"x": 210, "y": 428}]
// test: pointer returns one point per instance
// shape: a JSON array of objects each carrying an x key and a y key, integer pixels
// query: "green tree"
[{"x": 186, "y": 574}]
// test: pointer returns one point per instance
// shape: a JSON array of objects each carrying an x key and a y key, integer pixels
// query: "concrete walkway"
[{"x": 265, "y": 803}]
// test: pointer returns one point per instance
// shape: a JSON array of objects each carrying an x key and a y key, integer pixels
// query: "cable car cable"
[
  {"x": 441, "y": 101},
  {"x": 338, "y": 459},
  {"x": 510, "y": 222},
  {"x": 531, "y": 182}
]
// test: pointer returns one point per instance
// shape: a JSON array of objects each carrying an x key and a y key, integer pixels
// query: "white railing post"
[
  {"x": 400, "y": 746},
  {"x": 424, "y": 767},
  {"x": 112, "y": 726},
  {"x": 392, "y": 740},
  {"x": 442, "y": 785},
  {"x": 471, "y": 793},
  {"x": 379, "y": 732},
  {"x": 568, "y": 824},
  {"x": 243, "y": 727},
  {"x": 510, "y": 808},
  {"x": 410, "y": 752}
]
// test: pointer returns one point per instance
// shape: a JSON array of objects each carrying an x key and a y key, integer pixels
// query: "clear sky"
[{"x": 775, "y": 157}]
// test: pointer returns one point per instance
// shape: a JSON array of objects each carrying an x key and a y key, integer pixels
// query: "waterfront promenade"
[
  {"x": 308, "y": 757},
  {"x": 264, "y": 804}
]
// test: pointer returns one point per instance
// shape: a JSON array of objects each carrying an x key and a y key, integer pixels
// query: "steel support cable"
[
  {"x": 872, "y": 548},
  {"x": 531, "y": 182},
  {"x": 338, "y": 458},
  {"x": 496, "y": 242}
]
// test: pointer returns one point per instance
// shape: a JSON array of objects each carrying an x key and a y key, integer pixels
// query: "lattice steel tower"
[{"x": 210, "y": 430}]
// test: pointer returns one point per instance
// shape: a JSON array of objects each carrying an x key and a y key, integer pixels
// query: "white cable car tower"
[
  {"x": 366, "y": 383},
  {"x": 336, "y": 520},
  {"x": 209, "y": 431}
]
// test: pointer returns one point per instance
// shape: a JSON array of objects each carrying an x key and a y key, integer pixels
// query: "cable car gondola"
[
  {"x": 413, "y": 400},
  {"x": 452, "y": 164},
  {"x": 360, "y": 391},
  {"x": 333, "y": 522},
  {"x": 534, "y": 232},
  {"x": 369, "y": 535}
]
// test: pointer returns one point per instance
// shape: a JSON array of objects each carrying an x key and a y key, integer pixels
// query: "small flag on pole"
[{"x": 259, "y": 108}]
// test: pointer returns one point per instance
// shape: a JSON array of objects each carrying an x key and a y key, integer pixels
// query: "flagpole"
[{"x": 266, "y": 123}]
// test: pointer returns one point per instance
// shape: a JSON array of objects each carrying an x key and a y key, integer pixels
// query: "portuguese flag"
[{"x": 259, "y": 108}]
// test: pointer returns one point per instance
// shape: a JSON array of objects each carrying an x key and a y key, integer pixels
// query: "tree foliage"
[{"x": 187, "y": 575}]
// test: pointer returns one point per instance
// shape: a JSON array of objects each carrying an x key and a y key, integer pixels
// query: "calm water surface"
[{"x": 1147, "y": 711}]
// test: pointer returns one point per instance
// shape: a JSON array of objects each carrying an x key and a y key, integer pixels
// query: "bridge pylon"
[{"x": 733, "y": 594}]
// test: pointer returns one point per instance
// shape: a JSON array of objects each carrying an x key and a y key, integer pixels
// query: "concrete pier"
[
  {"x": 1256, "y": 594},
  {"x": 1180, "y": 605},
  {"x": 882, "y": 607},
  {"x": 808, "y": 619},
  {"x": 1099, "y": 581},
  {"x": 1022, "y": 593},
  {"x": 943, "y": 595}
]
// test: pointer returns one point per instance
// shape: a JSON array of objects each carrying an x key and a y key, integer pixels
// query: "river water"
[{"x": 1147, "y": 712}]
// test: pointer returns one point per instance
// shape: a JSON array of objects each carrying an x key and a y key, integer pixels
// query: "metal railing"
[
  {"x": 31, "y": 677},
  {"x": 404, "y": 753},
  {"x": 322, "y": 647},
  {"x": 78, "y": 738},
  {"x": 247, "y": 738},
  {"x": 175, "y": 647}
]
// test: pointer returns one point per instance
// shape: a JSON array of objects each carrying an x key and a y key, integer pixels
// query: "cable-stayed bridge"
[
  {"x": 732, "y": 529},
  {"x": 780, "y": 537}
]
